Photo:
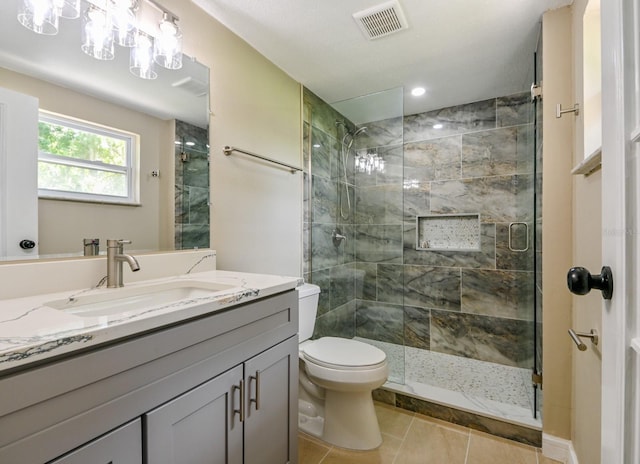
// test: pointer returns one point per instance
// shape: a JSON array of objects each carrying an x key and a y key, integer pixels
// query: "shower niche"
[{"x": 448, "y": 232}]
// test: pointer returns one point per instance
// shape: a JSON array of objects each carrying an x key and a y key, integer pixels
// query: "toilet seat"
[{"x": 343, "y": 354}]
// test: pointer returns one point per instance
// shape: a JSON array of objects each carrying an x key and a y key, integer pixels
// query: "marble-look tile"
[
  {"x": 195, "y": 236},
  {"x": 379, "y": 204},
  {"x": 417, "y": 328},
  {"x": 488, "y": 449},
  {"x": 521, "y": 239},
  {"x": 342, "y": 284},
  {"x": 323, "y": 150},
  {"x": 380, "y": 395},
  {"x": 485, "y": 258},
  {"x": 324, "y": 253},
  {"x": 393, "y": 157},
  {"x": 495, "y": 427},
  {"x": 379, "y": 321},
  {"x": 322, "y": 115},
  {"x": 494, "y": 339},
  {"x": 322, "y": 278},
  {"x": 455, "y": 120},
  {"x": 181, "y": 205},
  {"x": 514, "y": 110},
  {"x": 395, "y": 357},
  {"x": 198, "y": 205},
  {"x": 432, "y": 287},
  {"x": 525, "y": 149},
  {"x": 379, "y": 243},
  {"x": 389, "y": 283},
  {"x": 436, "y": 159},
  {"x": 498, "y": 293},
  {"x": 324, "y": 200},
  {"x": 339, "y": 322},
  {"x": 366, "y": 281},
  {"x": 428, "y": 442},
  {"x": 490, "y": 153},
  {"x": 381, "y": 133},
  {"x": 306, "y": 146},
  {"x": 196, "y": 172},
  {"x": 343, "y": 162},
  {"x": 495, "y": 198},
  {"x": 416, "y": 200}
]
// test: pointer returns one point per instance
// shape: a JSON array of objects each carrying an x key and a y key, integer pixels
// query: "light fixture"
[
  {"x": 167, "y": 50},
  {"x": 369, "y": 162},
  {"x": 418, "y": 91},
  {"x": 153, "y": 39},
  {"x": 69, "y": 9},
  {"x": 141, "y": 62},
  {"x": 97, "y": 33},
  {"x": 123, "y": 13},
  {"x": 438, "y": 126},
  {"x": 39, "y": 16}
]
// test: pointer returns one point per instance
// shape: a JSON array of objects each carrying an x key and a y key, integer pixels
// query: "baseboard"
[{"x": 558, "y": 449}]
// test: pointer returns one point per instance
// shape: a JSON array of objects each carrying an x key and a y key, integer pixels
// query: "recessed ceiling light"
[
  {"x": 418, "y": 91},
  {"x": 438, "y": 126},
  {"x": 190, "y": 144},
  {"x": 316, "y": 145}
]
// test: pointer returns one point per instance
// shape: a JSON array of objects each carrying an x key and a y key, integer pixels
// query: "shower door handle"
[
  {"x": 526, "y": 237},
  {"x": 580, "y": 281}
]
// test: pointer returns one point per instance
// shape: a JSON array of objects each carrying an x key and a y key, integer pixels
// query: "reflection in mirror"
[{"x": 173, "y": 211}]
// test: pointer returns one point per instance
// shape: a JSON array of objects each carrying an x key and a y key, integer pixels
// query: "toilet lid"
[{"x": 343, "y": 352}]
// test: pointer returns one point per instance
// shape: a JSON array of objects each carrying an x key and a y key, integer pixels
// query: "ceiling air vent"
[{"x": 381, "y": 20}]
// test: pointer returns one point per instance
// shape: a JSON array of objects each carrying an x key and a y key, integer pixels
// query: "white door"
[
  {"x": 18, "y": 175},
  {"x": 621, "y": 230}
]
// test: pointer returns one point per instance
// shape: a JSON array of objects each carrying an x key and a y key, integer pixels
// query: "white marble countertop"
[{"x": 31, "y": 332}]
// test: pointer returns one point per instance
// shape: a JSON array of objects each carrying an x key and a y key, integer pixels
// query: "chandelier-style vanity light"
[{"x": 109, "y": 22}]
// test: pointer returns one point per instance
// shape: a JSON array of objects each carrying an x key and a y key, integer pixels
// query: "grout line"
[
  {"x": 466, "y": 456},
  {"x": 325, "y": 455},
  {"x": 404, "y": 438}
]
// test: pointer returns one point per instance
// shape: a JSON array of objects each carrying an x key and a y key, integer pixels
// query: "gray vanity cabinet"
[
  {"x": 221, "y": 388},
  {"x": 241, "y": 416}
]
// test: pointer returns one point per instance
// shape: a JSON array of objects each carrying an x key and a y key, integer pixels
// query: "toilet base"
[{"x": 350, "y": 420}]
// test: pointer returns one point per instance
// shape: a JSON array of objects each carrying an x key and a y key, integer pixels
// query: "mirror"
[{"x": 170, "y": 108}]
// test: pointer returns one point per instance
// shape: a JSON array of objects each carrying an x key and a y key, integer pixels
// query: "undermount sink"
[{"x": 134, "y": 299}]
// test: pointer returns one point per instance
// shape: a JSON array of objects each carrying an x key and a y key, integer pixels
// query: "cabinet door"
[
  {"x": 271, "y": 402},
  {"x": 122, "y": 446},
  {"x": 200, "y": 426}
]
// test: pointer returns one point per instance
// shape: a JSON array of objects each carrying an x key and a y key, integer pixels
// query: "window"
[{"x": 78, "y": 160}]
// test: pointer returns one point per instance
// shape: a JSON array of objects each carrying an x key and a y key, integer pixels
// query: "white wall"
[{"x": 256, "y": 208}]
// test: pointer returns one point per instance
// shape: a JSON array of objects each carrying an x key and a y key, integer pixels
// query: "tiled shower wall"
[
  {"x": 191, "y": 187},
  {"x": 326, "y": 265},
  {"x": 477, "y": 304}
]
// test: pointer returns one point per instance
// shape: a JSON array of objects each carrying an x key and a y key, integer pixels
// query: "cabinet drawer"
[{"x": 121, "y": 446}]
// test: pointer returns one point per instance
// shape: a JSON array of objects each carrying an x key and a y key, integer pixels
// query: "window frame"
[{"x": 131, "y": 170}]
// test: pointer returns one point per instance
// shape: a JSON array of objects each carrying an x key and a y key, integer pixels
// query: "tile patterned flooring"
[{"x": 410, "y": 438}]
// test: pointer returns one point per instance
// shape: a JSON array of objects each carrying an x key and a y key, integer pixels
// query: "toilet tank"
[{"x": 308, "y": 296}]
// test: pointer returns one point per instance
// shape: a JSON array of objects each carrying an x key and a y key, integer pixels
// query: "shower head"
[{"x": 359, "y": 131}]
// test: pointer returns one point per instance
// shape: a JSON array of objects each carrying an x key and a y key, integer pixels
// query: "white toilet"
[{"x": 337, "y": 376}]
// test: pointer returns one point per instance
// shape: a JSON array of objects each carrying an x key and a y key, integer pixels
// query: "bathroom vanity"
[{"x": 213, "y": 375}]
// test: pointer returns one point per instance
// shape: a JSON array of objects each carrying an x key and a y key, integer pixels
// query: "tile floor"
[{"x": 410, "y": 438}]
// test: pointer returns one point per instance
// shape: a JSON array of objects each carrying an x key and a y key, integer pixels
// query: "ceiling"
[{"x": 458, "y": 50}]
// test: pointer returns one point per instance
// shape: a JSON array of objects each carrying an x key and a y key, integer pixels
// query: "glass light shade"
[
  {"x": 167, "y": 51},
  {"x": 69, "y": 9},
  {"x": 141, "y": 62},
  {"x": 39, "y": 16},
  {"x": 124, "y": 21},
  {"x": 97, "y": 33}
]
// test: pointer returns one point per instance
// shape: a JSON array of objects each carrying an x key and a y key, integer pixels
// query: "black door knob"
[
  {"x": 27, "y": 244},
  {"x": 580, "y": 281}
]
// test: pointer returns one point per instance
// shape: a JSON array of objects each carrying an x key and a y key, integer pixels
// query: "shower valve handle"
[{"x": 580, "y": 281}]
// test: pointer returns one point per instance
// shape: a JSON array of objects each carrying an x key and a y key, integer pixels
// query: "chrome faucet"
[{"x": 115, "y": 258}]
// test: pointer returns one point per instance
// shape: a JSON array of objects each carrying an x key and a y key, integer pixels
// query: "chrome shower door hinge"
[
  {"x": 536, "y": 92},
  {"x": 536, "y": 378}
]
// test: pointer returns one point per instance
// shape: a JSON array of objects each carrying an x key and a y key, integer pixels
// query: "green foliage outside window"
[{"x": 75, "y": 160}]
